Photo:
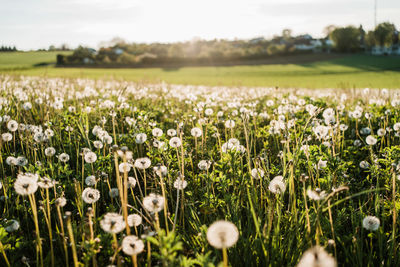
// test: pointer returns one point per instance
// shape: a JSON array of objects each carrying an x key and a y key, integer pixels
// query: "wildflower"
[
  {"x": 317, "y": 194},
  {"x": 328, "y": 113},
  {"x": 132, "y": 245},
  {"x": 171, "y": 132},
  {"x": 159, "y": 144},
  {"x": 90, "y": 195},
  {"x": 7, "y": 137},
  {"x": 316, "y": 257},
  {"x": 112, "y": 223},
  {"x": 12, "y": 125},
  {"x": 26, "y": 183},
  {"x": 204, "y": 165},
  {"x": 160, "y": 170},
  {"x": 90, "y": 157},
  {"x": 180, "y": 184},
  {"x": 22, "y": 161},
  {"x": 46, "y": 182},
  {"x": 343, "y": 127},
  {"x": 113, "y": 193},
  {"x": 371, "y": 223},
  {"x": 371, "y": 140},
  {"x": 381, "y": 132},
  {"x": 396, "y": 126},
  {"x": 175, "y": 142},
  {"x": 134, "y": 220},
  {"x": 140, "y": 138},
  {"x": 230, "y": 124},
  {"x": 27, "y": 106},
  {"x": 277, "y": 185},
  {"x": 222, "y": 234},
  {"x": 63, "y": 157},
  {"x": 322, "y": 164},
  {"x": 90, "y": 180},
  {"x": 357, "y": 143},
  {"x": 364, "y": 165},
  {"x": 50, "y": 151},
  {"x": 98, "y": 144},
  {"x": 196, "y": 132},
  {"x": 12, "y": 226},
  {"x": 124, "y": 167},
  {"x": 49, "y": 133},
  {"x": 61, "y": 202},
  {"x": 365, "y": 131},
  {"x": 157, "y": 132},
  {"x": 11, "y": 161},
  {"x": 131, "y": 182},
  {"x": 321, "y": 131},
  {"x": 153, "y": 203},
  {"x": 208, "y": 112},
  {"x": 142, "y": 163},
  {"x": 257, "y": 173}
]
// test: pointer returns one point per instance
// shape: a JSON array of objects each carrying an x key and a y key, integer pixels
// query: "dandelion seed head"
[
  {"x": 132, "y": 245},
  {"x": 180, "y": 184},
  {"x": 142, "y": 163},
  {"x": 277, "y": 185},
  {"x": 134, "y": 220},
  {"x": 90, "y": 195},
  {"x": 90, "y": 157},
  {"x": 317, "y": 257},
  {"x": 90, "y": 180},
  {"x": 222, "y": 234},
  {"x": 175, "y": 142},
  {"x": 112, "y": 223},
  {"x": 11, "y": 226},
  {"x": 371, "y": 223},
  {"x": 153, "y": 203},
  {"x": 26, "y": 183}
]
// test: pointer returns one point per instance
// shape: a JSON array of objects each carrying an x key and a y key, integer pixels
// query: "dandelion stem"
[
  {"x": 225, "y": 257},
  {"x": 72, "y": 240},
  {"x": 4, "y": 254},
  {"x": 38, "y": 240}
]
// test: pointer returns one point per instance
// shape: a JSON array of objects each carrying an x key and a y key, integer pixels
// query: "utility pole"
[{"x": 375, "y": 14}]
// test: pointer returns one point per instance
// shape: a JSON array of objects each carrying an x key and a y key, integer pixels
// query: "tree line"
[
  {"x": 4, "y": 48},
  {"x": 118, "y": 52}
]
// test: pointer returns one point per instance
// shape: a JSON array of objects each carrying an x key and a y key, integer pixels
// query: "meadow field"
[
  {"x": 116, "y": 173},
  {"x": 343, "y": 71}
]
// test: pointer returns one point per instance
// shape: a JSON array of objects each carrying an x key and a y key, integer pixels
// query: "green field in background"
[
  {"x": 26, "y": 60},
  {"x": 343, "y": 72}
]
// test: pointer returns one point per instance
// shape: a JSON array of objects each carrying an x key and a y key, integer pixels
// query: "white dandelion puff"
[
  {"x": 90, "y": 195},
  {"x": 112, "y": 223},
  {"x": 371, "y": 223},
  {"x": 222, "y": 234},
  {"x": 153, "y": 203},
  {"x": 316, "y": 257},
  {"x": 132, "y": 245}
]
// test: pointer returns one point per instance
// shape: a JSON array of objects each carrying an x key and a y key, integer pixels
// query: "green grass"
[
  {"x": 11, "y": 61},
  {"x": 343, "y": 72}
]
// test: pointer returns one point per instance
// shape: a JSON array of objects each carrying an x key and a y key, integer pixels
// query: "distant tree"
[
  {"x": 64, "y": 47},
  {"x": 328, "y": 30},
  {"x": 286, "y": 34},
  {"x": 362, "y": 36},
  {"x": 346, "y": 39},
  {"x": 370, "y": 39},
  {"x": 52, "y": 48},
  {"x": 384, "y": 33}
]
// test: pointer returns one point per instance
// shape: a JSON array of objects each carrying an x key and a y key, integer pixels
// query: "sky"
[{"x": 35, "y": 24}]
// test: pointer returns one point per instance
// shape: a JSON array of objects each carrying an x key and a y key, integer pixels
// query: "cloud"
[{"x": 37, "y": 24}]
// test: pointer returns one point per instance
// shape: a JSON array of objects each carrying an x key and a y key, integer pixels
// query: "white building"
[{"x": 379, "y": 50}]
